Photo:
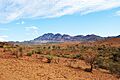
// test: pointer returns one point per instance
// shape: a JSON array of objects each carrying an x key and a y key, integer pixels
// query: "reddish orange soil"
[
  {"x": 28, "y": 68},
  {"x": 111, "y": 41}
]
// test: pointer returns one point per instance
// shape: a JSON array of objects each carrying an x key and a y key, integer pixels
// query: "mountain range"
[
  {"x": 53, "y": 38},
  {"x": 50, "y": 37}
]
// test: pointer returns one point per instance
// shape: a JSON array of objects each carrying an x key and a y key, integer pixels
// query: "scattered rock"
[{"x": 46, "y": 60}]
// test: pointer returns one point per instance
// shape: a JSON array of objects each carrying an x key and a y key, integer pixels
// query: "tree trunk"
[{"x": 91, "y": 67}]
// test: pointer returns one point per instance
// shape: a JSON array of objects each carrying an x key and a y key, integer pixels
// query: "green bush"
[
  {"x": 49, "y": 57},
  {"x": 66, "y": 55},
  {"x": 29, "y": 54},
  {"x": 76, "y": 56},
  {"x": 100, "y": 62},
  {"x": 38, "y": 51},
  {"x": 114, "y": 68}
]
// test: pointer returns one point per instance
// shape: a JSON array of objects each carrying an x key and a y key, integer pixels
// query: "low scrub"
[
  {"x": 29, "y": 53},
  {"x": 114, "y": 68}
]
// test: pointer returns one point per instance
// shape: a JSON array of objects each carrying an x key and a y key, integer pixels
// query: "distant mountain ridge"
[
  {"x": 117, "y": 36},
  {"x": 50, "y": 37},
  {"x": 56, "y": 38}
]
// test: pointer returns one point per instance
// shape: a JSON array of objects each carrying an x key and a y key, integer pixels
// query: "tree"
[{"x": 90, "y": 57}]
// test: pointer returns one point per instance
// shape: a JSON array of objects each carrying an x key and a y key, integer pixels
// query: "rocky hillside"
[{"x": 50, "y": 37}]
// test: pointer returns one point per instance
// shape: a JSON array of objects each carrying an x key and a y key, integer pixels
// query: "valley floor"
[{"x": 28, "y": 68}]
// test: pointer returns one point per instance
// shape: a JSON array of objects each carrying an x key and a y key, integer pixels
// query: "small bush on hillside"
[
  {"x": 21, "y": 51},
  {"x": 49, "y": 47},
  {"x": 33, "y": 51},
  {"x": 109, "y": 58},
  {"x": 100, "y": 62},
  {"x": 38, "y": 51},
  {"x": 76, "y": 56},
  {"x": 73, "y": 56},
  {"x": 66, "y": 55},
  {"x": 53, "y": 47},
  {"x": 29, "y": 54},
  {"x": 114, "y": 68},
  {"x": 49, "y": 57},
  {"x": 87, "y": 69}
]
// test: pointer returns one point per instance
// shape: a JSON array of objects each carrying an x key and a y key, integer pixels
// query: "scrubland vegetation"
[{"x": 96, "y": 56}]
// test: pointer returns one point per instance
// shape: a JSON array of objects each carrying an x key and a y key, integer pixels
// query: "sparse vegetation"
[
  {"x": 101, "y": 55},
  {"x": 29, "y": 53},
  {"x": 114, "y": 68}
]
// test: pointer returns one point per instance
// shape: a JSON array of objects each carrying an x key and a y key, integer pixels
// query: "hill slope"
[{"x": 50, "y": 37}]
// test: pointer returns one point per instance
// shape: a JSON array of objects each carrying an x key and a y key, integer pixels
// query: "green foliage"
[
  {"x": 73, "y": 56},
  {"x": 114, "y": 68},
  {"x": 38, "y": 51},
  {"x": 66, "y": 55},
  {"x": 109, "y": 58},
  {"x": 29, "y": 53},
  {"x": 100, "y": 62},
  {"x": 77, "y": 56},
  {"x": 50, "y": 57}
]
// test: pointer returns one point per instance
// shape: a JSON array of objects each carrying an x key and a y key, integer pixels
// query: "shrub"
[
  {"x": 114, "y": 68},
  {"x": 29, "y": 54},
  {"x": 100, "y": 62},
  {"x": 76, "y": 56},
  {"x": 49, "y": 58},
  {"x": 38, "y": 51},
  {"x": 87, "y": 69},
  {"x": 66, "y": 56},
  {"x": 53, "y": 47},
  {"x": 21, "y": 51},
  {"x": 49, "y": 47}
]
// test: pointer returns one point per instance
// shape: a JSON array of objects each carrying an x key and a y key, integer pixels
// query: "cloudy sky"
[{"x": 27, "y": 19}]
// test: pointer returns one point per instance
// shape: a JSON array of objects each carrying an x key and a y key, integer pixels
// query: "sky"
[{"x": 28, "y": 19}]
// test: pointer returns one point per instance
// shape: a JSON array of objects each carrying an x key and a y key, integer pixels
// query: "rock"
[{"x": 46, "y": 60}]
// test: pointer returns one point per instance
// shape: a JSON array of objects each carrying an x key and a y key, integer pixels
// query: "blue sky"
[{"x": 27, "y": 19}]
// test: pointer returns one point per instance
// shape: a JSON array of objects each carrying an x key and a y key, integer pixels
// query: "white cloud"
[
  {"x": 3, "y": 38},
  {"x": 11, "y": 10},
  {"x": 32, "y": 27},
  {"x": 33, "y": 30},
  {"x": 117, "y": 13},
  {"x": 22, "y": 22}
]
